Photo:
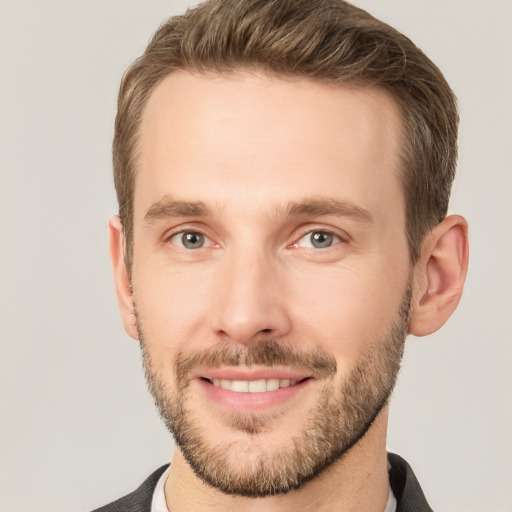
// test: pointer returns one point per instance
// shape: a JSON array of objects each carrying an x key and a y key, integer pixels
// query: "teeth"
[
  {"x": 272, "y": 384},
  {"x": 226, "y": 384},
  {"x": 254, "y": 386},
  {"x": 240, "y": 386}
]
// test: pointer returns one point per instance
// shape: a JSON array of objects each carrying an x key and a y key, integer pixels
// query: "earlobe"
[
  {"x": 439, "y": 276},
  {"x": 122, "y": 278}
]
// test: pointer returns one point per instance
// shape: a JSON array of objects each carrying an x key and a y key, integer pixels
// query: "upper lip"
[{"x": 252, "y": 374}]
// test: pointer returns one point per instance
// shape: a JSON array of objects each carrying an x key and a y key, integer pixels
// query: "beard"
[{"x": 340, "y": 418}]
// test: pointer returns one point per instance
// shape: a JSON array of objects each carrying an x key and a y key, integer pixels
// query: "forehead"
[{"x": 265, "y": 139}]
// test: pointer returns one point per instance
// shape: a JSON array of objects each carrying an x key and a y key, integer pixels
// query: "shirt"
[{"x": 158, "y": 503}]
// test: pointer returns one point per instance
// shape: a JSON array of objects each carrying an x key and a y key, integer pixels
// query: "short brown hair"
[{"x": 322, "y": 40}]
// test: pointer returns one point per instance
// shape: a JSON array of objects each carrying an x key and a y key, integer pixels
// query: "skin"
[{"x": 247, "y": 146}]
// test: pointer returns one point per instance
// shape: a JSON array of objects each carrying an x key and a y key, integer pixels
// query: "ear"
[
  {"x": 121, "y": 276},
  {"x": 439, "y": 275}
]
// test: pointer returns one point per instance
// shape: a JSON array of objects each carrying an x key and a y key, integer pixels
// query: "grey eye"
[
  {"x": 189, "y": 240},
  {"x": 318, "y": 240},
  {"x": 192, "y": 240}
]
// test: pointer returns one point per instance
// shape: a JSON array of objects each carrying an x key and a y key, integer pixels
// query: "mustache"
[{"x": 270, "y": 353}]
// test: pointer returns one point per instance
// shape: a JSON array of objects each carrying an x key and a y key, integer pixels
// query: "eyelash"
[
  {"x": 188, "y": 231},
  {"x": 338, "y": 238}
]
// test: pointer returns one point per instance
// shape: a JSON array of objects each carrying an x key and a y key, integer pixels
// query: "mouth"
[
  {"x": 242, "y": 389},
  {"x": 254, "y": 386}
]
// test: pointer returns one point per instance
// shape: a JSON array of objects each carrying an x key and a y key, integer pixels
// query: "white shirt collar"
[{"x": 158, "y": 503}]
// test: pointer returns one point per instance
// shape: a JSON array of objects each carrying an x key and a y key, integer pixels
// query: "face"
[{"x": 271, "y": 271}]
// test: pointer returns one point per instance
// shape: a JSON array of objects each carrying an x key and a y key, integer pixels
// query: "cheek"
[
  {"x": 171, "y": 306},
  {"x": 345, "y": 311}
]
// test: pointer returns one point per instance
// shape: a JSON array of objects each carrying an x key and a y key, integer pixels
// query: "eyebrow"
[
  {"x": 168, "y": 208},
  {"x": 328, "y": 206},
  {"x": 315, "y": 206}
]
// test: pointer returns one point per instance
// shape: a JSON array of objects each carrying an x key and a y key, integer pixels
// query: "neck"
[{"x": 358, "y": 482}]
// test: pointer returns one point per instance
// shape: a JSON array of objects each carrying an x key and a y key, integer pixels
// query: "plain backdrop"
[{"x": 77, "y": 427}]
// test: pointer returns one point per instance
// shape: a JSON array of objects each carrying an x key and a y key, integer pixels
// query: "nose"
[{"x": 250, "y": 299}]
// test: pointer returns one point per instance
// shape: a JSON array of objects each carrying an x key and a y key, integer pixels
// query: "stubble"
[{"x": 337, "y": 422}]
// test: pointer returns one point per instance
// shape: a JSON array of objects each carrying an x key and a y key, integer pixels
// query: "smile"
[
  {"x": 253, "y": 386},
  {"x": 243, "y": 389}
]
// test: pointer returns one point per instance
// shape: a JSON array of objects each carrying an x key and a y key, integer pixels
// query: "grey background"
[{"x": 77, "y": 427}]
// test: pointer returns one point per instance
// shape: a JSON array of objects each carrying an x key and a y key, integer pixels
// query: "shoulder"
[
  {"x": 138, "y": 500},
  {"x": 405, "y": 485}
]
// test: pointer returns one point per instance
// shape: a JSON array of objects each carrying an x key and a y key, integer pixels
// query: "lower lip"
[{"x": 251, "y": 401}]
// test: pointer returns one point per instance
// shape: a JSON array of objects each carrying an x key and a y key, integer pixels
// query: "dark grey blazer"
[{"x": 409, "y": 496}]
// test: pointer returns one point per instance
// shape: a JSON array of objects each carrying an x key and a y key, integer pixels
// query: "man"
[{"x": 283, "y": 171}]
